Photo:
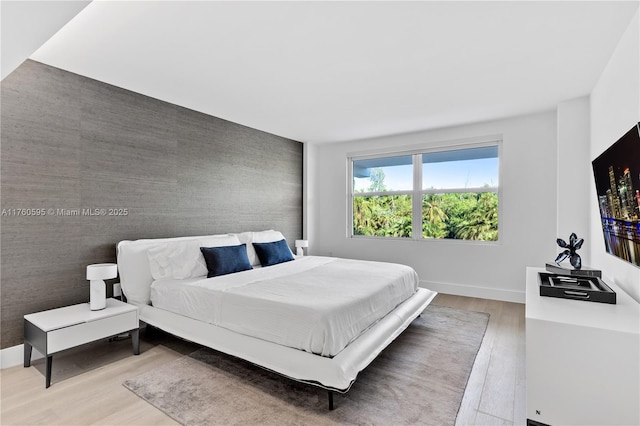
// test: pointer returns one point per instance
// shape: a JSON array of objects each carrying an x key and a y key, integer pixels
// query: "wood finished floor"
[{"x": 87, "y": 382}]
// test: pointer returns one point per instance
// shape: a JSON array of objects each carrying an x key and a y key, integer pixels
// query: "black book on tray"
[{"x": 570, "y": 271}]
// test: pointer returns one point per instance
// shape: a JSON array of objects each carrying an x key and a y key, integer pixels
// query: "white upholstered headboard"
[
  {"x": 133, "y": 266},
  {"x": 133, "y": 260}
]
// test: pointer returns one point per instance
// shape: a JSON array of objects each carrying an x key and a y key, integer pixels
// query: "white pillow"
[
  {"x": 186, "y": 261},
  {"x": 258, "y": 237},
  {"x": 159, "y": 260},
  {"x": 267, "y": 236},
  {"x": 183, "y": 259},
  {"x": 247, "y": 238}
]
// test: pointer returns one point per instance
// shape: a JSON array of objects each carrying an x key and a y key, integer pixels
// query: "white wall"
[
  {"x": 574, "y": 174},
  {"x": 528, "y": 216},
  {"x": 615, "y": 108}
]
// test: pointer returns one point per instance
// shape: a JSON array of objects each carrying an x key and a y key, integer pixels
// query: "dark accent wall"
[{"x": 69, "y": 142}]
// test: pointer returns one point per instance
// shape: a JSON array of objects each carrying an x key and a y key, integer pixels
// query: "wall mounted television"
[{"x": 617, "y": 176}]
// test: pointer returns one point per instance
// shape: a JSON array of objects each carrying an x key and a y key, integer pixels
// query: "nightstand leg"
[
  {"x": 27, "y": 354},
  {"x": 48, "y": 377},
  {"x": 135, "y": 339}
]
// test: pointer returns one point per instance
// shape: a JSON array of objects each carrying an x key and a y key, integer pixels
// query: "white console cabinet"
[{"x": 583, "y": 359}]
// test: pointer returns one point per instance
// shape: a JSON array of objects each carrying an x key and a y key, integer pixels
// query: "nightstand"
[
  {"x": 582, "y": 359},
  {"x": 55, "y": 330}
]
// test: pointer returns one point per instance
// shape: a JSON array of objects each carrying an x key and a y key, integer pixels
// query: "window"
[
  {"x": 382, "y": 201},
  {"x": 427, "y": 194}
]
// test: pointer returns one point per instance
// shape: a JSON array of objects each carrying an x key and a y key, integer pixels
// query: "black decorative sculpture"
[{"x": 574, "y": 244}]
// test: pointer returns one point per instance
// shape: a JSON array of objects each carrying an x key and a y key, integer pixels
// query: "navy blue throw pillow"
[
  {"x": 226, "y": 260},
  {"x": 273, "y": 253}
]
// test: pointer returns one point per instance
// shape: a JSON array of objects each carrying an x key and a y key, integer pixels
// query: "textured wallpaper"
[{"x": 85, "y": 164}]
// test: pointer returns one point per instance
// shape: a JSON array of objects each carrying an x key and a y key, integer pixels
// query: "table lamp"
[
  {"x": 96, "y": 273},
  {"x": 300, "y": 244}
]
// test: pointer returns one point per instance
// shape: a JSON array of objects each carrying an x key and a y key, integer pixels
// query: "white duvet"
[{"x": 317, "y": 304}]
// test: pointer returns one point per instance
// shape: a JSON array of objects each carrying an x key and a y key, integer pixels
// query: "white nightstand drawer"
[{"x": 69, "y": 337}]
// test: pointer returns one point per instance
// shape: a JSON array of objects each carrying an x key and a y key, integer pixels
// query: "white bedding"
[{"x": 317, "y": 304}]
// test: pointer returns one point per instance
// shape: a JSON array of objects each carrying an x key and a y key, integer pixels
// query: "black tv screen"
[{"x": 617, "y": 175}]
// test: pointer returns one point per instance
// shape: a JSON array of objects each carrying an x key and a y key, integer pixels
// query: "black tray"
[
  {"x": 591, "y": 289},
  {"x": 559, "y": 269}
]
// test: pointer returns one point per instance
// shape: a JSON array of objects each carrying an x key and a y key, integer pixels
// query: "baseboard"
[
  {"x": 475, "y": 291},
  {"x": 10, "y": 357}
]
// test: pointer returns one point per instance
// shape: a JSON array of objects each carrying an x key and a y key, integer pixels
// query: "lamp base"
[{"x": 97, "y": 295}]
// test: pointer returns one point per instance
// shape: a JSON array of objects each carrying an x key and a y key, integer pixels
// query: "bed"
[{"x": 316, "y": 320}]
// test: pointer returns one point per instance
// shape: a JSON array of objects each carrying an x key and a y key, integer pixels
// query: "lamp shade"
[{"x": 102, "y": 271}]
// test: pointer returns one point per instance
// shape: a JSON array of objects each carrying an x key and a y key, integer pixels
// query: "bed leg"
[
  {"x": 150, "y": 331},
  {"x": 330, "y": 400}
]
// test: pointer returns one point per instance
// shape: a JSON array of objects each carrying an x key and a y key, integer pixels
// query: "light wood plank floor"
[{"x": 87, "y": 382}]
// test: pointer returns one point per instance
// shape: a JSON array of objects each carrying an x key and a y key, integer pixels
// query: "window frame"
[{"x": 417, "y": 193}]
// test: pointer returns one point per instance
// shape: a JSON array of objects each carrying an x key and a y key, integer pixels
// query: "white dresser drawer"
[{"x": 79, "y": 334}]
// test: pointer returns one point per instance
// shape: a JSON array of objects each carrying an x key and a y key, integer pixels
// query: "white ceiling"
[
  {"x": 25, "y": 25},
  {"x": 336, "y": 71}
]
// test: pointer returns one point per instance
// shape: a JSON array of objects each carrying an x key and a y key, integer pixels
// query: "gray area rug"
[{"x": 419, "y": 379}]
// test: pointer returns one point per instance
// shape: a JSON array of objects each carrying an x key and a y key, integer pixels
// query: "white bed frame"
[{"x": 335, "y": 374}]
